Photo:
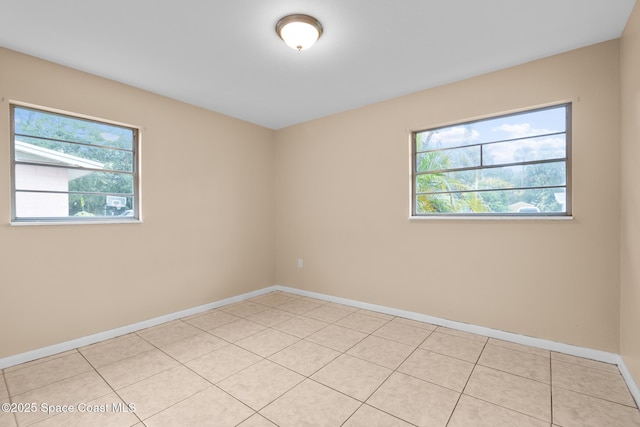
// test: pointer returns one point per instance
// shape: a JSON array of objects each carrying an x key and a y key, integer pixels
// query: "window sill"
[
  {"x": 491, "y": 218},
  {"x": 102, "y": 222}
]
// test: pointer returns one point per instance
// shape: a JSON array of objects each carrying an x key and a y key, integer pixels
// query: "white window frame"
[
  {"x": 135, "y": 217},
  {"x": 567, "y": 214}
]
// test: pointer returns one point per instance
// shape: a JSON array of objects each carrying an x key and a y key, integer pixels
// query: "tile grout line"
[
  {"x": 361, "y": 402},
  {"x": 155, "y": 374},
  {"x": 602, "y": 372},
  {"x": 493, "y": 403},
  {"x": 394, "y": 370},
  {"x": 304, "y": 377},
  {"x": 77, "y": 350},
  {"x": 614, "y": 402},
  {"x": 12, "y": 396},
  {"x": 475, "y": 364},
  {"x": 6, "y": 386},
  {"x": 551, "y": 386},
  {"x": 262, "y": 358},
  {"x": 515, "y": 375},
  {"x": 93, "y": 369},
  {"x": 211, "y": 384},
  {"x": 308, "y": 377},
  {"x": 108, "y": 384}
]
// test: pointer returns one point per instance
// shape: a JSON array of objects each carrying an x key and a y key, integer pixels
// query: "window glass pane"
[
  {"x": 450, "y": 203},
  {"x": 29, "y": 205},
  {"x": 533, "y": 175},
  {"x": 89, "y": 205},
  {"x": 529, "y": 124},
  {"x": 529, "y": 201},
  {"x": 447, "y": 181},
  {"x": 103, "y": 182},
  {"x": 68, "y": 154},
  {"x": 71, "y": 167},
  {"x": 29, "y": 122},
  {"x": 63, "y": 205},
  {"x": 30, "y": 177},
  {"x": 454, "y": 136},
  {"x": 513, "y": 164},
  {"x": 448, "y": 159},
  {"x": 525, "y": 150},
  {"x": 48, "y": 178}
]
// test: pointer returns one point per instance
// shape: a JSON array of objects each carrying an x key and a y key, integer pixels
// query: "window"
[
  {"x": 68, "y": 168},
  {"x": 517, "y": 164}
]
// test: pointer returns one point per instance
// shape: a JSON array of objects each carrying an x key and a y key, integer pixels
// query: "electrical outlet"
[{"x": 299, "y": 262}]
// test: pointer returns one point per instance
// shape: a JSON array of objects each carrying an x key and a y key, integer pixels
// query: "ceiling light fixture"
[{"x": 299, "y": 31}]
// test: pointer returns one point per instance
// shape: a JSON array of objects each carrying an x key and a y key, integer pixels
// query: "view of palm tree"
[{"x": 510, "y": 164}]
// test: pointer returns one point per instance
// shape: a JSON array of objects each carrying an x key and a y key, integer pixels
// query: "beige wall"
[
  {"x": 630, "y": 229},
  {"x": 343, "y": 204},
  {"x": 207, "y": 199}
]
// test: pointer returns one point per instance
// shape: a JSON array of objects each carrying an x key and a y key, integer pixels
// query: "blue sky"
[{"x": 539, "y": 123}]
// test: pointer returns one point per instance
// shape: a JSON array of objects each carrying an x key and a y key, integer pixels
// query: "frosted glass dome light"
[{"x": 299, "y": 31}]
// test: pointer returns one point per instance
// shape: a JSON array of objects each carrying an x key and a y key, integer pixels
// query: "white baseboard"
[
  {"x": 601, "y": 356},
  {"x": 101, "y": 336},
  {"x": 573, "y": 350}
]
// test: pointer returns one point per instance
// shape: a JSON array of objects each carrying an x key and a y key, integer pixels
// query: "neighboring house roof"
[
  {"x": 29, "y": 152},
  {"x": 515, "y": 207}
]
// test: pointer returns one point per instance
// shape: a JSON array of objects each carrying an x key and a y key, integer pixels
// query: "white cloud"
[
  {"x": 455, "y": 135},
  {"x": 520, "y": 130},
  {"x": 537, "y": 148}
]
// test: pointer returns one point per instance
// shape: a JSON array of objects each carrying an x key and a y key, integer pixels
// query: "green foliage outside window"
[
  {"x": 507, "y": 165},
  {"x": 111, "y": 147}
]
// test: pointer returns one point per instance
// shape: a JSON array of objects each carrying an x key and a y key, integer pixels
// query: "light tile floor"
[{"x": 286, "y": 360}]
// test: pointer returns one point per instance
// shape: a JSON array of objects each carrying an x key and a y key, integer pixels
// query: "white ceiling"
[{"x": 224, "y": 55}]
